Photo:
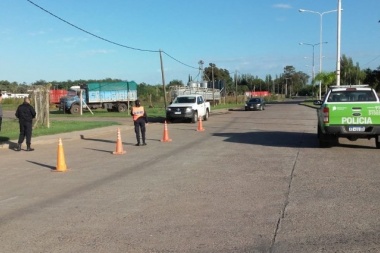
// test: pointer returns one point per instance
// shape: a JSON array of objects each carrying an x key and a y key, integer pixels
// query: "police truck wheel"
[
  {"x": 323, "y": 139},
  {"x": 377, "y": 142},
  {"x": 75, "y": 109}
]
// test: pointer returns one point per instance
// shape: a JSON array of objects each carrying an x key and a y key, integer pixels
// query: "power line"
[
  {"x": 109, "y": 41},
  {"x": 372, "y": 60},
  {"x": 179, "y": 61}
]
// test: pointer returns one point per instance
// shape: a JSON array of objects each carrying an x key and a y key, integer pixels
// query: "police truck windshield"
[{"x": 355, "y": 95}]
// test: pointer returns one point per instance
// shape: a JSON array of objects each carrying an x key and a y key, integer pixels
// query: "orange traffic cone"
[
  {"x": 61, "y": 164},
  {"x": 165, "y": 137},
  {"x": 119, "y": 145},
  {"x": 200, "y": 127}
]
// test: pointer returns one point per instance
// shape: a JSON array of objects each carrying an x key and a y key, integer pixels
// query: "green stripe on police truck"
[{"x": 362, "y": 114}]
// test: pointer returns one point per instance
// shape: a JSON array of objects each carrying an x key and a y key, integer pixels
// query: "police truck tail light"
[{"x": 326, "y": 115}]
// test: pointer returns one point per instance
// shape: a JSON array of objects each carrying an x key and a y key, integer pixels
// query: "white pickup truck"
[{"x": 188, "y": 107}]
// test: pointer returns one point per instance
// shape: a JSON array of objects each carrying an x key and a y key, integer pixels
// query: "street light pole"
[
  {"x": 338, "y": 44},
  {"x": 320, "y": 41},
  {"x": 313, "y": 72},
  {"x": 313, "y": 63},
  {"x": 312, "y": 69}
]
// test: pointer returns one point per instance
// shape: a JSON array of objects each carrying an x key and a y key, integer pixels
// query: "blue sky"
[{"x": 256, "y": 37}]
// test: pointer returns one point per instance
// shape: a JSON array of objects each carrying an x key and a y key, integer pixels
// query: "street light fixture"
[
  {"x": 313, "y": 70},
  {"x": 320, "y": 40}
]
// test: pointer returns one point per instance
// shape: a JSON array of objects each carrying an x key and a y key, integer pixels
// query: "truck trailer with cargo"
[
  {"x": 113, "y": 96},
  {"x": 203, "y": 88}
]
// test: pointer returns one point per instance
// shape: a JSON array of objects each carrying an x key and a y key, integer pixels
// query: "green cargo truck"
[{"x": 351, "y": 112}]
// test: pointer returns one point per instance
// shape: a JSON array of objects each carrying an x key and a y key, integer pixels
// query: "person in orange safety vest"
[{"x": 140, "y": 118}]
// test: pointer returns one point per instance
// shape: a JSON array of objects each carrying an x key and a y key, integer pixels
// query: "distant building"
[{"x": 12, "y": 95}]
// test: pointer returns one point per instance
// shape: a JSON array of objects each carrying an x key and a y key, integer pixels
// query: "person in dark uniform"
[
  {"x": 25, "y": 114},
  {"x": 140, "y": 118}
]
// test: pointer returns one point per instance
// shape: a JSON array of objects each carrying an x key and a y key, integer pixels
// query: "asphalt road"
[{"x": 251, "y": 182}]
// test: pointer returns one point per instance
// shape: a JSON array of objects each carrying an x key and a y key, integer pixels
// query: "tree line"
[{"x": 288, "y": 83}]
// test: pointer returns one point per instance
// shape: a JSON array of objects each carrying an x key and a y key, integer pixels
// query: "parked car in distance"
[{"x": 255, "y": 104}]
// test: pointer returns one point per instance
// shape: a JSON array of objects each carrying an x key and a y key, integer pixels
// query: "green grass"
[
  {"x": 10, "y": 128},
  {"x": 9, "y": 107},
  {"x": 54, "y": 113}
]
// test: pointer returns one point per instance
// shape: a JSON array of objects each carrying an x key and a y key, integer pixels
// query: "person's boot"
[
  {"x": 28, "y": 148},
  {"x": 18, "y": 148}
]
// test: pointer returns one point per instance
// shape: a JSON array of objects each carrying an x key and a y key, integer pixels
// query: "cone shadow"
[{"x": 42, "y": 165}]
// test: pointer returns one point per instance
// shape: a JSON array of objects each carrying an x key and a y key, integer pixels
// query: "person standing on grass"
[
  {"x": 25, "y": 114},
  {"x": 1, "y": 110},
  {"x": 139, "y": 119}
]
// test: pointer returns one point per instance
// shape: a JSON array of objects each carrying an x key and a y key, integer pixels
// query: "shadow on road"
[
  {"x": 42, "y": 165},
  {"x": 5, "y": 141},
  {"x": 100, "y": 150},
  {"x": 275, "y": 139},
  {"x": 82, "y": 137}
]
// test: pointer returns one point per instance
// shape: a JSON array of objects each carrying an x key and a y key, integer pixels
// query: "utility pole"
[
  {"x": 236, "y": 96},
  {"x": 286, "y": 86},
  {"x": 212, "y": 65},
  {"x": 163, "y": 78}
]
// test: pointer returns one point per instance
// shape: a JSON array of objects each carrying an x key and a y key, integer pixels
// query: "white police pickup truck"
[
  {"x": 352, "y": 112},
  {"x": 188, "y": 107}
]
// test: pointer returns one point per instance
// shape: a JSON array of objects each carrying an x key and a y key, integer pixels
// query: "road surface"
[{"x": 251, "y": 182}]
